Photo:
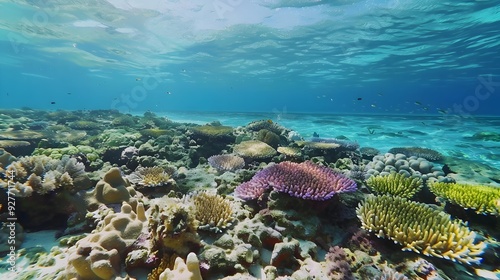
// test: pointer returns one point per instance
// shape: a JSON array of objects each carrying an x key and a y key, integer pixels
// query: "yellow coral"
[
  {"x": 395, "y": 184},
  {"x": 154, "y": 176},
  {"x": 419, "y": 228},
  {"x": 483, "y": 199},
  {"x": 213, "y": 211}
]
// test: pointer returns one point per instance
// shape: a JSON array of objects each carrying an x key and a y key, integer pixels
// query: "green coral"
[
  {"x": 483, "y": 199},
  {"x": 395, "y": 184},
  {"x": 419, "y": 228}
]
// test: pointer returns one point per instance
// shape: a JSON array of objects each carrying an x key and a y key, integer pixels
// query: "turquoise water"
[{"x": 398, "y": 56}]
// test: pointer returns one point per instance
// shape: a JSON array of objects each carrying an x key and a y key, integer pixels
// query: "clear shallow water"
[{"x": 318, "y": 56}]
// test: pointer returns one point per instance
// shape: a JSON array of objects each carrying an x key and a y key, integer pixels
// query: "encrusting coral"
[
  {"x": 305, "y": 180},
  {"x": 482, "y": 198},
  {"x": 419, "y": 228},
  {"x": 226, "y": 162},
  {"x": 395, "y": 184}
]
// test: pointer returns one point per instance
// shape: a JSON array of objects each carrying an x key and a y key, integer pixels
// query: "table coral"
[
  {"x": 395, "y": 184},
  {"x": 482, "y": 198},
  {"x": 254, "y": 149},
  {"x": 420, "y": 228},
  {"x": 304, "y": 180},
  {"x": 428, "y": 154},
  {"x": 226, "y": 162}
]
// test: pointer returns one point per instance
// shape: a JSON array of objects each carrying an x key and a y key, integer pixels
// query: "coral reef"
[
  {"x": 419, "y": 152},
  {"x": 254, "y": 150},
  {"x": 395, "y": 184},
  {"x": 337, "y": 265},
  {"x": 266, "y": 124},
  {"x": 420, "y": 228},
  {"x": 304, "y": 180},
  {"x": 482, "y": 198},
  {"x": 226, "y": 162}
]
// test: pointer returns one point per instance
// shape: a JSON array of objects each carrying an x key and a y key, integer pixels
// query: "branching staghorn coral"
[
  {"x": 212, "y": 211},
  {"x": 395, "y": 184},
  {"x": 419, "y": 228},
  {"x": 483, "y": 199}
]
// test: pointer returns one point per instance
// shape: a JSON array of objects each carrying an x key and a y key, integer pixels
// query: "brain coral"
[
  {"x": 483, "y": 199},
  {"x": 419, "y": 228},
  {"x": 304, "y": 180},
  {"x": 254, "y": 149},
  {"x": 426, "y": 153},
  {"x": 395, "y": 184},
  {"x": 226, "y": 162}
]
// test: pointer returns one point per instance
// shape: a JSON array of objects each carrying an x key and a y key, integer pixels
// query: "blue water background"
[{"x": 369, "y": 57}]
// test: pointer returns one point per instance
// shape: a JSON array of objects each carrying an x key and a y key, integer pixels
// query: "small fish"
[
  {"x": 168, "y": 92},
  {"x": 138, "y": 79},
  {"x": 380, "y": 94},
  {"x": 373, "y": 105},
  {"x": 359, "y": 98},
  {"x": 442, "y": 111},
  {"x": 53, "y": 102},
  {"x": 425, "y": 108},
  {"x": 68, "y": 93},
  {"x": 418, "y": 103}
]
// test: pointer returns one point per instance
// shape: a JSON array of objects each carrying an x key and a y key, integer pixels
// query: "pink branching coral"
[{"x": 304, "y": 180}]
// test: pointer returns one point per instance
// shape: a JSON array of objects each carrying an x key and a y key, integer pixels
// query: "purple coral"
[{"x": 304, "y": 180}]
